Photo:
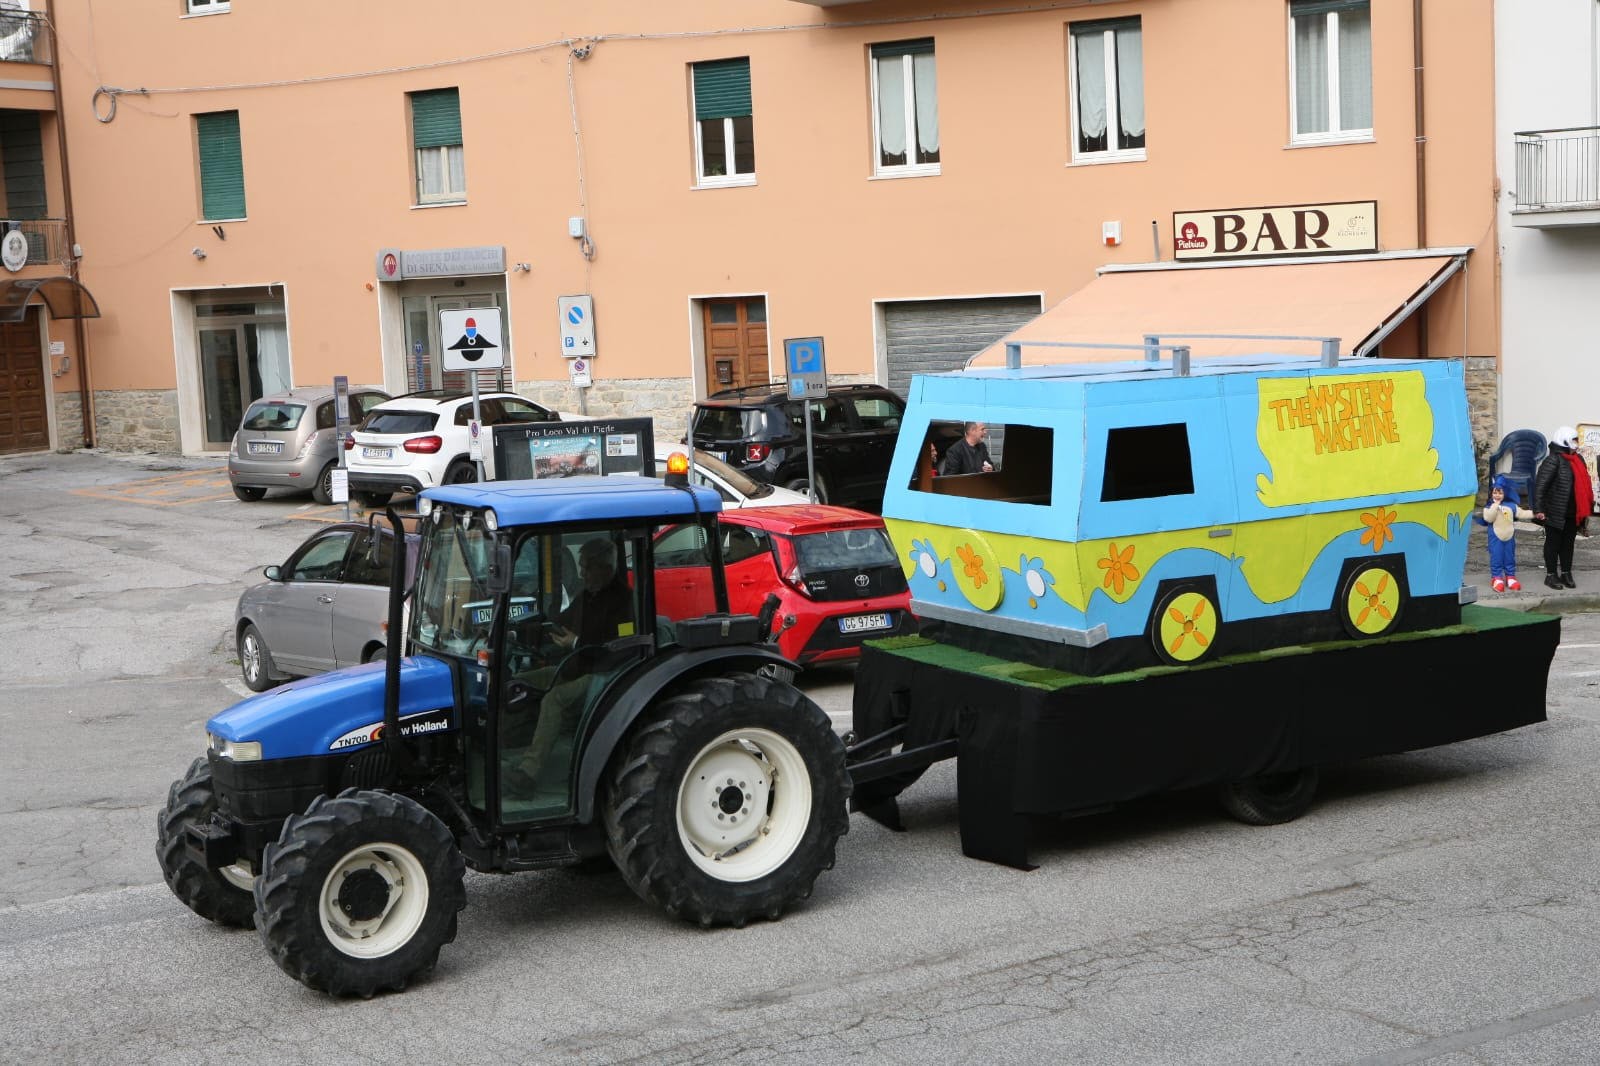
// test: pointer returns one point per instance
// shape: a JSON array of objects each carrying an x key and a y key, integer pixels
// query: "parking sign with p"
[{"x": 808, "y": 368}]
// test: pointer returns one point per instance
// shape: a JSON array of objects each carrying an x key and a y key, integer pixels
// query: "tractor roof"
[{"x": 578, "y": 499}]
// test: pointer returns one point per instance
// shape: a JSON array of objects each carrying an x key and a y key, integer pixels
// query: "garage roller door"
[{"x": 932, "y": 336}]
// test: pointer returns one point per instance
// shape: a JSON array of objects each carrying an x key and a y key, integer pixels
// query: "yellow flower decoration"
[
  {"x": 1119, "y": 568},
  {"x": 973, "y": 564},
  {"x": 1377, "y": 523}
]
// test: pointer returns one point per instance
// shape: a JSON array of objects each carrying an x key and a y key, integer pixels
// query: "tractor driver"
[{"x": 601, "y": 612}]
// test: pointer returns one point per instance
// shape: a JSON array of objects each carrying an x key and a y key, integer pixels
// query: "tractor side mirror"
[{"x": 499, "y": 579}]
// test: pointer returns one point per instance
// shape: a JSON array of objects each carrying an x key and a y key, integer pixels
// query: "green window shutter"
[
  {"x": 221, "y": 165},
  {"x": 923, "y": 47},
  {"x": 722, "y": 89},
  {"x": 436, "y": 118}
]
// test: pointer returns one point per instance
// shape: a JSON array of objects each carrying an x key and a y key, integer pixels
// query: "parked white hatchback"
[
  {"x": 735, "y": 488},
  {"x": 422, "y": 439}
]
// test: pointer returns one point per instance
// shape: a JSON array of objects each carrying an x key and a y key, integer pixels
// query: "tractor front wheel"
[
  {"x": 727, "y": 800},
  {"x": 359, "y": 893},
  {"x": 222, "y": 896}
]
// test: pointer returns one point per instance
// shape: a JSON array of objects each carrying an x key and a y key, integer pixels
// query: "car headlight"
[{"x": 236, "y": 750}]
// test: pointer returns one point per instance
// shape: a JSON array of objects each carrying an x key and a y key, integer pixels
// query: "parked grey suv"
[
  {"x": 324, "y": 608},
  {"x": 286, "y": 441}
]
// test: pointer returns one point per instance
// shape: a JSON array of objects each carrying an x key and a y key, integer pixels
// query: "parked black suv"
[{"x": 760, "y": 431}]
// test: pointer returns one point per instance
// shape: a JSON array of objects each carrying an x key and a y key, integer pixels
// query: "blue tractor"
[{"x": 544, "y": 716}]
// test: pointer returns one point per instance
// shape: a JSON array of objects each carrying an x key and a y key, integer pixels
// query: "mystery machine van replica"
[{"x": 1162, "y": 511}]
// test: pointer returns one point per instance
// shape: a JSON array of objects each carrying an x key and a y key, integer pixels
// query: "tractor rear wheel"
[
  {"x": 359, "y": 893},
  {"x": 727, "y": 800},
  {"x": 222, "y": 896}
]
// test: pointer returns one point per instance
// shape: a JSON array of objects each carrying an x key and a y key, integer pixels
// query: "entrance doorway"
[
  {"x": 24, "y": 423},
  {"x": 423, "y": 364},
  {"x": 243, "y": 344},
  {"x": 736, "y": 342}
]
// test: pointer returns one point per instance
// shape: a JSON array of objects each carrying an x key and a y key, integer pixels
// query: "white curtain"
[
  {"x": 1130, "y": 86},
  {"x": 458, "y": 169},
  {"x": 892, "y": 110},
  {"x": 272, "y": 353},
  {"x": 927, "y": 100},
  {"x": 1355, "y": 69},
  {"x": 1091, "y": 57},
  {"x": 1311, "y": 73}
]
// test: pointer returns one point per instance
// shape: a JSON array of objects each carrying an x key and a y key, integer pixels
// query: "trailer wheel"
[
  {"x": 727, "y": 800},
  {"x": 359, "y": 893},
  {"x": 222, "y": 896},
  {"x": 1371, "y": 599},
  {"x": 1183, "y": 627},
  {"x": 1270, "y": 799}
]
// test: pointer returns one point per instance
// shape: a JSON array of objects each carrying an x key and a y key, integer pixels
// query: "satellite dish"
[{"x": 14, "y": 250}]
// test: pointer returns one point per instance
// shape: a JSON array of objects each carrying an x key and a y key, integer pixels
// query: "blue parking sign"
[{"x": 808, "y": 368}]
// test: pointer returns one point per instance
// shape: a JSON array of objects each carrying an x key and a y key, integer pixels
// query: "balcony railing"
[
  {"x": 47, "y": 238},
  {"x": 24, "y": 37},
  {"x": 1558, "y": 170}
]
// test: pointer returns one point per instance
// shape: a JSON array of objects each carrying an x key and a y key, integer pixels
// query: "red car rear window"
[{"x": 844, "y": 549}]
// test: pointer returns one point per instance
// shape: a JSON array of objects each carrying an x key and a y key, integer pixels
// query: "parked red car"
[{"x": 834, "y": 570}]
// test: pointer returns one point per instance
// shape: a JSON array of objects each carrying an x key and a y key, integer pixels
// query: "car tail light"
[
  {"x": 789, "y": 566},
  {"x": 349, "y": 441},
  {"x": 792, "y": 578},
  {"x": 305, "y": 449},
  {"x": 426, "y": 445},
  {"x": 757, "y": 453}
]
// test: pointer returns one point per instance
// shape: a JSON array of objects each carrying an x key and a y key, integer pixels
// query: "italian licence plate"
[
  {"x": 720, "y": 457},
  {"x": 368, "y": 452},
  {"x": 864, "y": 623},
  {"x": 265, "y": 447}
]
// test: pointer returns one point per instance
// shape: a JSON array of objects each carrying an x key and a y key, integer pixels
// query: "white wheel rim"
[
  {"x": 403, "y": 910},
  {"x": 239, "y": 875},
  {"x": 251, "y": 654},
  {"x": 744, "y": 805}
]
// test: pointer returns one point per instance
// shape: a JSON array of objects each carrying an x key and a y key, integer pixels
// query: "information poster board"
[{"x": 538, "y": 450}]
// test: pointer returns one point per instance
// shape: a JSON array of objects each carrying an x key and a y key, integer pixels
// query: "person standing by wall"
[{"x": 1563, "y": 500}]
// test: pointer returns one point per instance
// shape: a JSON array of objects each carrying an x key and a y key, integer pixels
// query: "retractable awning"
[
  {"x": 64, "y": 297},
  {"x": 1358, "y": 300}
]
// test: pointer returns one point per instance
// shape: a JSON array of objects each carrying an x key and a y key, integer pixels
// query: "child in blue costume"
[{"x": 1501, "y": 515}]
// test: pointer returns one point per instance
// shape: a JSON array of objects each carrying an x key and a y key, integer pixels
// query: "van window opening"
[
  {"x": 1022, "y": 456},
  {"x": 1146, "y": 462}
]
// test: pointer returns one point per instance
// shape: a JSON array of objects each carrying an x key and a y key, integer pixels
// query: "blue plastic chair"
[{"x": 1517, "y": 458}]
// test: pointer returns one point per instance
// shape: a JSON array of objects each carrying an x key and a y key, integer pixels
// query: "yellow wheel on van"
[
  {"x": 1372, "y": 599},
  {"x": 1184, "y": 625}
]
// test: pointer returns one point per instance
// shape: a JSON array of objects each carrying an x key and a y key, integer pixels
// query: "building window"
[
  {"x": 905, "y": 108},
  {"x": 205, "y": 7},
  {"x": 436, "y": 136},
  {"x": 221, "y": 166},
  {"x": 724, "y": 131},
  {"x": 1330, "y": 70},
  {"x": 1107, "y": 76}
]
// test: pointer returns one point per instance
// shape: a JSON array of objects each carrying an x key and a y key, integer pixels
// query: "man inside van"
[{"x": 970, "y": 454}]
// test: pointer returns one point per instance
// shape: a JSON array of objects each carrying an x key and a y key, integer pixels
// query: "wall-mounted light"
[
  {"x": 520, "y": 268},
  {"x": 198, "y": 253}
]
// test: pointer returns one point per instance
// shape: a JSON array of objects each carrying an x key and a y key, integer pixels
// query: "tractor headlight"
[
  {"x": 491, "y": 521},
  {"x": 236, "y": 750}
]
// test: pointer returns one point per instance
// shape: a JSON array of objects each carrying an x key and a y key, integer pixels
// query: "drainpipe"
[
  {"x": 85, "y": 399},
  {"x": 1422, "y": 158}
]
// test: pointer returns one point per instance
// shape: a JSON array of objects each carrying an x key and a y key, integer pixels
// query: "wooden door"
[
  {"x": 24, "y": 425},
  {"x": 736, "y": 342}
]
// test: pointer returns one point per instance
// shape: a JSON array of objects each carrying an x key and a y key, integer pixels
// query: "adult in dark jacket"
[
  {"x": 1562, "y": 499},
  {"x": 970, "y": 454}
]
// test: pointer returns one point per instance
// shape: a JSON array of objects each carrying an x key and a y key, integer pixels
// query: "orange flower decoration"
[
  {"x": 1119, "y": 568},
  {"x": 1374, "y": 600},
  {"x": 974, "y": 565},
  {"x": 1190, "y": 626},
  {"x": 1378, "y": 531}
]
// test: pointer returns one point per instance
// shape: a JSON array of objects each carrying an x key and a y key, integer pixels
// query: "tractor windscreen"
[{"x": 454, "y": 609}]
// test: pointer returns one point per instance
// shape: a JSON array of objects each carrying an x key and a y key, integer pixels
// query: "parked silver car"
[
  {"x": 286, "y": 441},
  {"x": 326, "y": 607}
]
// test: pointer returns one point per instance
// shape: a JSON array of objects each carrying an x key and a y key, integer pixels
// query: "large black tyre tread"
[
  {"x": 1270, "y": 800},
  {"x": 191, "y": 800},
  {"x": 288, "y": 890},
  {"x": 643, "y": 781}
]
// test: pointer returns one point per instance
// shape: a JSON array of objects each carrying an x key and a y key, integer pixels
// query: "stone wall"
[
  {"x": 1483, "y": 405},
  {"x": 69, "y": 421},
  {"x": 136, "y": 420}
]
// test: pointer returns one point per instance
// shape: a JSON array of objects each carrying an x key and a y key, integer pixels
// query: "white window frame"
[
  {"x": 448, "y": 195},
  {"x": 719, "y": 181},
  {"x": 907, "y": 169},
  {"x": 1333, "y": 135},
  {"x": 1113, "y": 104},
  {"x": 205, "y": 7}
]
